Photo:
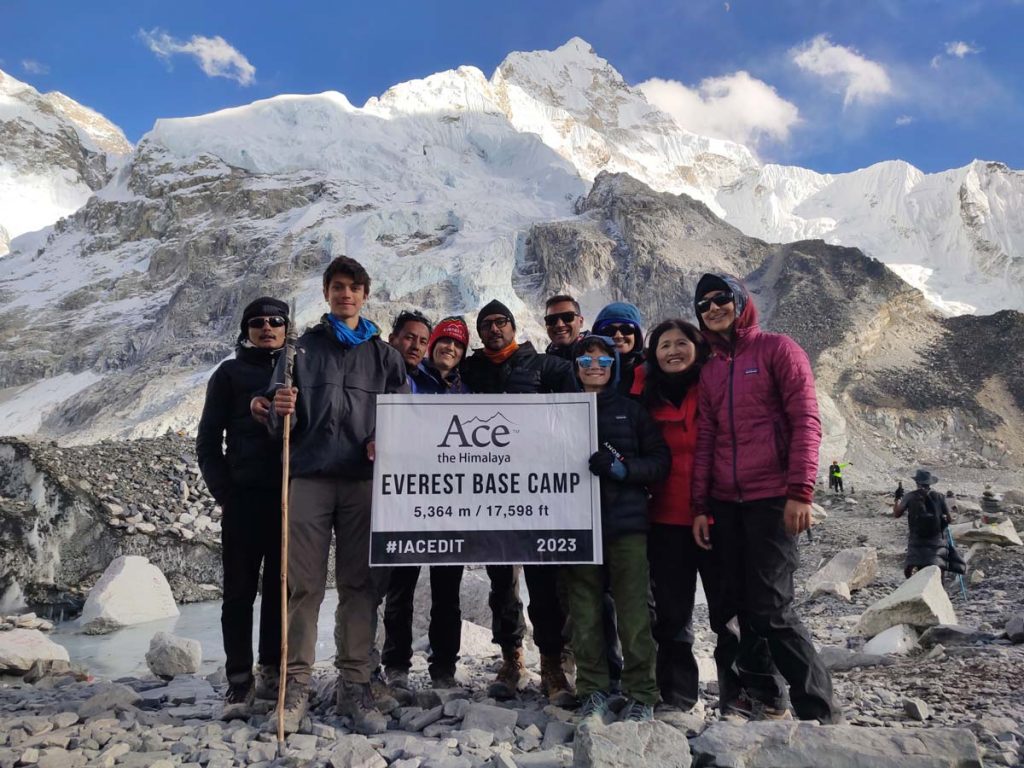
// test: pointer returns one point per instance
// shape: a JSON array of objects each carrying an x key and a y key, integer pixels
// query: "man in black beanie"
[
  {"x": 246, "y": 482},
  {"x": 505, "y": 366}
]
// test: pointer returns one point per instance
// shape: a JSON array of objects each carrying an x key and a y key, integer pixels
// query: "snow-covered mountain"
[
  {"x": 54, "y": 154},
  {"x": 111, "y": 319}
]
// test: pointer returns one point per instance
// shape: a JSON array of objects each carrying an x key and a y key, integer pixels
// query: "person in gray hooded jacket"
[{"x": 341, "y": 365}]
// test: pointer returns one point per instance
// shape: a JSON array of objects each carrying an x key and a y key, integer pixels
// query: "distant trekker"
[{"x": 927, "y": 518}]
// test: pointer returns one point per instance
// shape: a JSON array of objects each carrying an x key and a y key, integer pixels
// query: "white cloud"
[
  {"x": 215, "y": 55},
  {"x": 904, "y": 120},
  {"x": 845, "y": 70},
  {"x": 737, "y": 107},
  {"x": 34, "y": 67},
  {"x": 960, "y": 49},
  {"x": 936, "y": 62}
]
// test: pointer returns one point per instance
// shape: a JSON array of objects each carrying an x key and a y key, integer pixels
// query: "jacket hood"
[
  {"x": 579, "y": 348},
  {"x": 746, "y": 310}
]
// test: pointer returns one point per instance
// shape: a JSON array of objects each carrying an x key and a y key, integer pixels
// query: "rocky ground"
[
  {"x": 959, "y": 690},
  {"x": 969, "y": 679}
]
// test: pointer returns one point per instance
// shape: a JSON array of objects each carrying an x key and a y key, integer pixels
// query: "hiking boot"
[
  {"x": 238, "y": 701},
  {"x": 741, "y": 708},
  {"x": 764, "y": 711},
  {"x": 355, "y": 700},
  {"x": 637, "y": 712},
  {"x": 554, "y": 684},
  {"x": 268, "y": 680},
  {"x": 296, "y": 705},
  {"x": 398, "y": 684},
  {"x": 506, "y": 682},
  {"x": 443, "y": 680},
  {"x": 594, "y": 710}
]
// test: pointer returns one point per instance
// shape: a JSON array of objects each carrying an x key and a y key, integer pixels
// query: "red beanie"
[{"x": 453, "y": 328}]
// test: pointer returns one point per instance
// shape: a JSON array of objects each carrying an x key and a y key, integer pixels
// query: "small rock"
[
  {"x": 899, "y": 640},
  {"x": 916, "y": 709},
  {"x": 1015, "y": 628},
  {"x": 170, "y": 655}
]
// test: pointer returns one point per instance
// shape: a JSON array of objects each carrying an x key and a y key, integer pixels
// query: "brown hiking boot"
[
  {"x": 506, "y": 682},
  {"x": 356, "y": 701},
  {"x": 296, "y": 705},
  {"x": 554, "y": 684}
]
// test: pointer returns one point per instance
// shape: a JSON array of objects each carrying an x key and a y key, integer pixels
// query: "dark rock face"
[{"x": 886, "y": 362}]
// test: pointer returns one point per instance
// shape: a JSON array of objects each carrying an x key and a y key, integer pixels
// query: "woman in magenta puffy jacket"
[{"x": 754, "y": 471}]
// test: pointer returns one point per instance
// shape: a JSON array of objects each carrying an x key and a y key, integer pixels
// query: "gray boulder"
[
  {"x": 1015, "y": 628},
  {"x": 21, "y": 648},
  {"x": 951, "y": 635},
  {"x": 808, "y": 745},
  {"x": 920, "y": 601},
  {"x": 631, "y": 745},
  {"x": 170, "y": 655},
  {"x": 1003, "y": 534},
  {"x": 355, "y": 752},
  {"x": 856, "y": 567}
]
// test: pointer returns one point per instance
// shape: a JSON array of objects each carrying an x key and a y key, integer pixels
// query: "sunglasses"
[
  {"x": 585, "y": 361},
  {"x": 498, "y": 322},
  {"x": 719, "y": 301},
  {"x": 275, "y": 321},
  {"x": 624, "y": 329},
  {"x": 564, "y": 317}
]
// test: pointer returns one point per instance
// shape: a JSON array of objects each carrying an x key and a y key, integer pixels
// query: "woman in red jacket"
[
  {"x": 668, "y": 386},
  {"x": 754, "y": 472}
]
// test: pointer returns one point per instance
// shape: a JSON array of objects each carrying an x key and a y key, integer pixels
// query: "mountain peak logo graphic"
[{"x": 478, "y": 432}]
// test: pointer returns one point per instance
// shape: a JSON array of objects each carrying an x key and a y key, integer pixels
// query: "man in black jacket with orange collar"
[
  {"x": 246, "y": 482},
  {"x": 507, "y": 367}
]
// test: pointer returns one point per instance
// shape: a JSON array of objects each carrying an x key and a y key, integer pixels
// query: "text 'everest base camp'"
[{"x": 129, "y": 271}]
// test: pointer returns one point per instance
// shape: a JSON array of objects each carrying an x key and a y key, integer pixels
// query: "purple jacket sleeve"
[
  {"x": 707, "y": 430},
  {"x": 795, "y": 380}
]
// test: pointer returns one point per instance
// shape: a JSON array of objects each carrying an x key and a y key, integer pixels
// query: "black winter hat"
[
  {"x": 710, "y": 282},
  {"x": 264, "y": 306},
  {"x": 495, "y": 307}
]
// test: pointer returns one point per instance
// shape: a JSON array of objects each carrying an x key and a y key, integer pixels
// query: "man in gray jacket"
[{"x": 341, "y": 365}]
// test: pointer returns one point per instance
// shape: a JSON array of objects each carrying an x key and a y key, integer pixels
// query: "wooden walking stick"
[{"x": 289, "y": 366}]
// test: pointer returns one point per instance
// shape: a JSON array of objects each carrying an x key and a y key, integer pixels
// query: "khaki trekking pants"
[{"x": 318, "y": 508}]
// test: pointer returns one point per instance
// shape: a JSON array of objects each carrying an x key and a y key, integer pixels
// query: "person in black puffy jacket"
[
  {"x": 246, "y": 482},
  {"x": 504, "y": 366},
  {"x": 632, "y": 455}
]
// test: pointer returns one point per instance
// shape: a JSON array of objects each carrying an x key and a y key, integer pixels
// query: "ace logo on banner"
[{"x": 485, "y": 479}]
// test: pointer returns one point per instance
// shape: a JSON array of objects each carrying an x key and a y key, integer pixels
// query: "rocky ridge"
[
  {"x": 66, "y": 513},
  {"x": 54, "y": 153}
]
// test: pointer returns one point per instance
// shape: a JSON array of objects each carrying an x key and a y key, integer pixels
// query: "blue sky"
[{"x": 829, "y": 85}]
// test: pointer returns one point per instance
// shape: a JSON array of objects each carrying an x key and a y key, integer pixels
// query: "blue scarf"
[{"x": 364, "y": 331}]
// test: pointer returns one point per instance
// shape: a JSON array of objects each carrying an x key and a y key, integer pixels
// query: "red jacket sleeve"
[{"x": 795, "y": 381}]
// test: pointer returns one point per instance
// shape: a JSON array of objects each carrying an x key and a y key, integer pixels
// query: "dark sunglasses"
[
  {"x": 565, "y": 317},
  {"x": 275, "y": 321},
  {"x": 584, "y": 361},
  {"x": 719, "y": 301},
  {"x": 624, "y": 328},
  {"x": 498, "y": 322}
]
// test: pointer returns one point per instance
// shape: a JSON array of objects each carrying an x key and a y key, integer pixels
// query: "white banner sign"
[{"x": 485, "y": 479}]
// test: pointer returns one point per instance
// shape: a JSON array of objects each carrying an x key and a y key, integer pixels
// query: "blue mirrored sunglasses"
[{"x": 585, "y": 361}]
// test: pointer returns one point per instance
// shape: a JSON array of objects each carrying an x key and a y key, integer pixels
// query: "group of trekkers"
[{"x": 710, "y": 436}]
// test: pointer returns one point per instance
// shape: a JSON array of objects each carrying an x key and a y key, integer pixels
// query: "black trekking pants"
[
  {"x": 508, "y": 625},
  {"x": 251, "y": 537},
  {"x": 445, "y": 630},
  {"x": 675, "y": 562},
  {"x": 758, "y": 559}
]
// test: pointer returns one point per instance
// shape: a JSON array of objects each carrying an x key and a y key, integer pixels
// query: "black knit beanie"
[
  {"x": 495, "y": 307},
  {"x": 264, "y": 306}
]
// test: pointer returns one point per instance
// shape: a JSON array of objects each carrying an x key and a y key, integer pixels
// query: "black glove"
[{"x": 603, "y": 464}]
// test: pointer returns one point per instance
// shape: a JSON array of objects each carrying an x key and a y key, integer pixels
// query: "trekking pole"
[
  {"x": 959, "y": 576},
  {"x": 289, "y": 365}
]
